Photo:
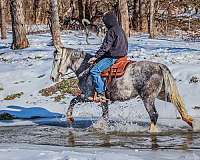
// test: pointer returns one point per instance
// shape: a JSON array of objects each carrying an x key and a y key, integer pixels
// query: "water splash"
[
  {"x": 196, "y": 125},
  {"x": 100, "y": 125},
  {"x": 119, "y": 126},
  {"x": 127, "y": 127}
]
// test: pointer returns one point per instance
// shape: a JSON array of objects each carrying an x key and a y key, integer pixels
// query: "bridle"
[{"x": 78, "y": 73}]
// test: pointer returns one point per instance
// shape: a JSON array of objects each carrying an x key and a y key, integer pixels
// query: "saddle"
[{"x": 117, "y": 69}]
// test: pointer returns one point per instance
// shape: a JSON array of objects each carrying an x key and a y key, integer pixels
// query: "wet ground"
[{"x": 83, "y": 137}]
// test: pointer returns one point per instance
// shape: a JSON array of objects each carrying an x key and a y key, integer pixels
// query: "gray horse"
[{"x": 149, "y": 80}]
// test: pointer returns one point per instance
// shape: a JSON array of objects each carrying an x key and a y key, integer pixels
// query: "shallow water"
[{"x": 177, "y": 139}]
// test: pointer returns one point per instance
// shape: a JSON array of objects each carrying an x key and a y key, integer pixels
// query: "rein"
[
  {"x": 84, "y": 72},
  {"x": 79, "y": 72},
  {"x": 68, "y": 75},
  {"x": 77, "y": 75}
]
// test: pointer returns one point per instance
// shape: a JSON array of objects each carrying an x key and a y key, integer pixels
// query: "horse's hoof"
[{"x": 153, "y": 128}]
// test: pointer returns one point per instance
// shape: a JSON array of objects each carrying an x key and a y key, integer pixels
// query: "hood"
[{"x": 110, "y": 20}]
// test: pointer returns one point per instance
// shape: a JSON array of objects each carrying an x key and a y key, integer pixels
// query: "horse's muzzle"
[
  {"x": 53, "y": 79},
  {"x": 56, "y": 79}
]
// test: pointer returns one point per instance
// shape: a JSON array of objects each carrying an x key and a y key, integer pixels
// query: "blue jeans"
[{"x": 95, "y": 72}]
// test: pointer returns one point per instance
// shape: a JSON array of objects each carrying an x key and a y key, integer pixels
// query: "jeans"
[{"x": 95, "y": 72}]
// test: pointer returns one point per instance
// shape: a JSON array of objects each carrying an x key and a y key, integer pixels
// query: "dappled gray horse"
[{"x": 149, "y": 80}]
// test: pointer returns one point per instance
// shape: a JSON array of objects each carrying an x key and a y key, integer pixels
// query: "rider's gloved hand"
[{"x": 92, "y": 60}]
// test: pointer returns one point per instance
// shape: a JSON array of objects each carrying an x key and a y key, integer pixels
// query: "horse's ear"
[{"x": 58, "y": 49}]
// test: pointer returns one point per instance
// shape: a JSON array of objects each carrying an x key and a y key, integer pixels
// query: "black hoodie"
[{"x": 115, "y": 43}]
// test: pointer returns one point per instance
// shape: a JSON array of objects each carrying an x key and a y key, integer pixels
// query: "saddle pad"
[{"x": 117, "y": 69}]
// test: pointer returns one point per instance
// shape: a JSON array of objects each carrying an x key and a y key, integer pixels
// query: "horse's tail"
[{"x": 172, "y": 93}]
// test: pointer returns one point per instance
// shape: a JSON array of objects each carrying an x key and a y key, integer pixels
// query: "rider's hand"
[{"x": 92, "y": 60}]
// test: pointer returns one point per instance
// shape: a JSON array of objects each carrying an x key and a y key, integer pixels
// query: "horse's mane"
[{"x": 78, "y": 54}]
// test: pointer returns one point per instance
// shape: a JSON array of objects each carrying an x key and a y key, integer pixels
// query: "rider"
[{"x": 115, "y": 45}]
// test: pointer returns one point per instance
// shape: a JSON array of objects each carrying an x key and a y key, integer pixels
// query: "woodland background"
[{"x": 157, "y": 17}]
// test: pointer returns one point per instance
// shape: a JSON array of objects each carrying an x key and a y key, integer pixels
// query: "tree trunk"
[
  {"x": 141, "y": 15},
  {"x": 87, "y": 10},
  {"x": 18, "y": 25},
  {"x": 123, "y": 16},
  {"x": 135, "y": 15},
  {"x": 37, "y": 9},
  {"x": 55, "y": 25},
  {"x": 151, "y": 19},
  {"x": 80, "y": 9},
  {"x": 3, "y": 19},
  {"x": 84, "y": 2},
  {"x": 196, "y": 10}
]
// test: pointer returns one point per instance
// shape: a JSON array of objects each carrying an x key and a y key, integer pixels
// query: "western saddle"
[{"x": 117, "y": 69}]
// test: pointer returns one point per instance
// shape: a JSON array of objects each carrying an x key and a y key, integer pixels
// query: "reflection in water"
[
  {"x": 62, "y": 136},
  {"x": 189, "y": 139},
  {"x": 71, "y": 139},
  {"x": 106, "y": 141},
  {"x": 154, "y": 144}
]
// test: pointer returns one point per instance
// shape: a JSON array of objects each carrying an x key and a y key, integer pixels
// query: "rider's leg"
[{"x": 95, "y": 72}]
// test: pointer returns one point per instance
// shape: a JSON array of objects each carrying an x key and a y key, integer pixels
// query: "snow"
[
  {"x": 17, "y": 152},
  {"x": 28, "y": 71}
]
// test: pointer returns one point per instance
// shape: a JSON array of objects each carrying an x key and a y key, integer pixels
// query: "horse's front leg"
[
  {"x": 70, "y": 109},
  {"x": 102, "y": 123},
  {"x": 105, "y": 114}
]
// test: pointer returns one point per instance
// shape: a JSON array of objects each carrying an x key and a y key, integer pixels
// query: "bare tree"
[
  {"x": 55, "y": 25},
  {"x": 18, "y": 25},
  {"x": 3, "y": 19},
  {"x": 80, "y": 9},
  {"x": 151, "y": 19},
  {"x": 37, "y": 10},
  {"x": 134, "y": 16},
  {"x": 87, "y": 9},
  {"x": 123, "y": 16},
  {"x": 141, "y": 15}
]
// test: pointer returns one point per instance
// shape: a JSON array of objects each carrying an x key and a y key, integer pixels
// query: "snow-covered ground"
[
  {"x": 35, "y": 152},
  {"x": 28, "y": 71},
  {"x": 31, "y": 152}
]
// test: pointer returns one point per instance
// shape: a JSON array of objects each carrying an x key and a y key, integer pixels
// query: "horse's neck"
[
  {"x": 81, "y": 65},
  {"x": 76, "y": 64}
]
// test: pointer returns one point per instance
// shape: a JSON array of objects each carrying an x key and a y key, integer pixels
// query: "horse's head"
[{"x": 61, "y": 63}]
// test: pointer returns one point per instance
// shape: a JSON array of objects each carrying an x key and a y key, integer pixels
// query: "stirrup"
[
  {"x": 98, "y": 98},
  {"x": 101, "y": 98}
]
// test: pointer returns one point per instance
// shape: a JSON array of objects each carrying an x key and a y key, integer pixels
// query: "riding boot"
[{"x": 101, "y": 97}]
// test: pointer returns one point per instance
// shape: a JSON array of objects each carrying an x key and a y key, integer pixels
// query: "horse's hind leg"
[
  {"x": 149, "y": 104},
  {"x": 148, "y": 94}
]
